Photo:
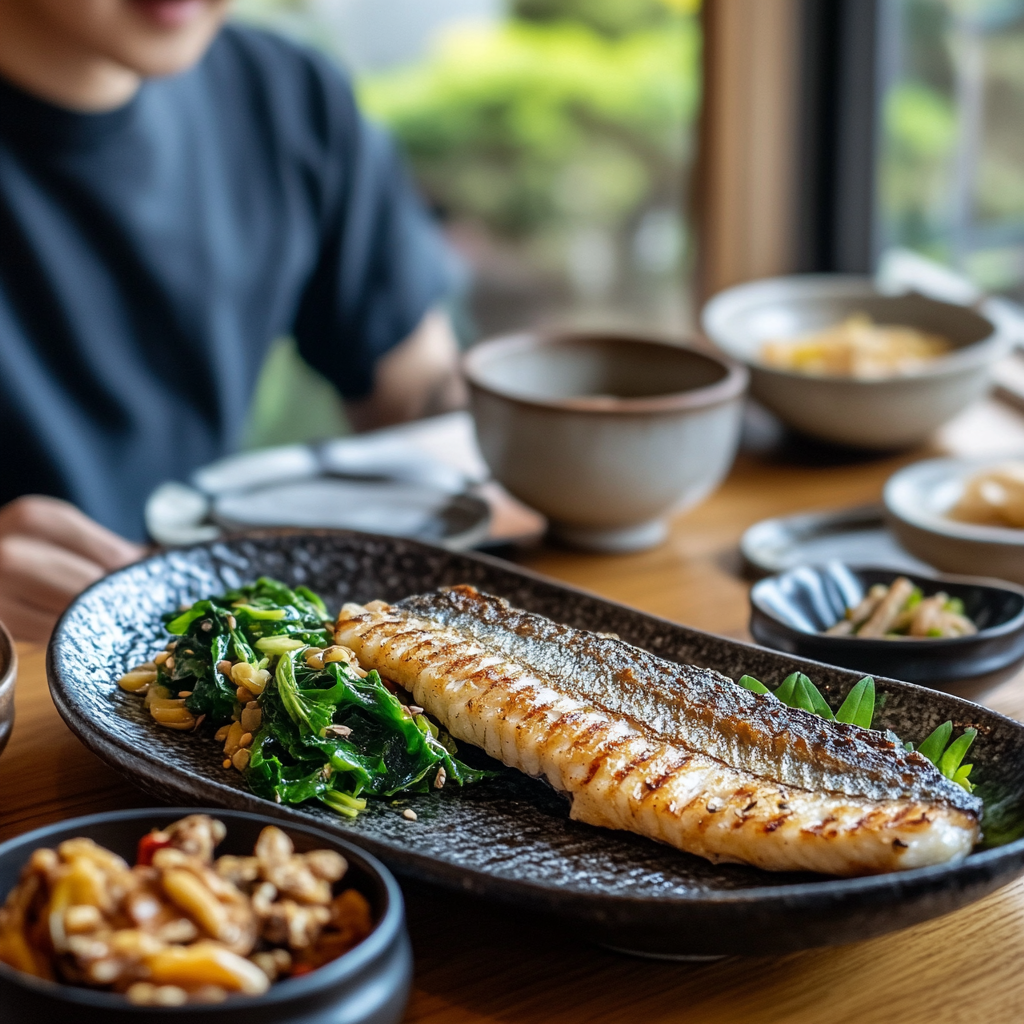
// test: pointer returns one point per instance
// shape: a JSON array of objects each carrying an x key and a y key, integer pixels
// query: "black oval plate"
[{"x": 511, "y": 838}]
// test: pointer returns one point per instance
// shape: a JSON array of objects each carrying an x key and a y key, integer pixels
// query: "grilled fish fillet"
[{"x": 673, "y": 752}]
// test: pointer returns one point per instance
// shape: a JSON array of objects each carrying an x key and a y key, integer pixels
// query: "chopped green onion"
[
  {"x": 268, "y": 614},
  {"x": 343, "y": 803},
  {"x": 278, "y": 644}
]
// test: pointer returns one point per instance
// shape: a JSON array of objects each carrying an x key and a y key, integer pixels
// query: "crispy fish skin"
[{"x": 642, "y": 755}]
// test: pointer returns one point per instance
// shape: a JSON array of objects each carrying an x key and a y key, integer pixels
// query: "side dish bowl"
[
  {"x": 605, "y": 434},
  {"x": 917, "y": 502},
  {"x": 888, "y": 413},
  {"x": 368, "y": 985},
  {"x": 8, "y": 674},
  {"x": 789, "y": 612}
]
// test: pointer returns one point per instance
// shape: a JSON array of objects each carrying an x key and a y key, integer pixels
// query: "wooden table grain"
[{"x": 477, "y": 962}]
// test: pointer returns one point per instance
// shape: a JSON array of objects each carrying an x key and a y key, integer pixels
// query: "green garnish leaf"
[
  {"x": 752, "y": 684},
  {"x": 935, "y": 743},
  {"x": 955, "y": 605},
  {"x": 949, "y": 763},
  {"x": 916, "y": 596},
  {"x": 787, "y": 688},
  {"x": 797, "y": 691},
  {"x": 859, "y": 706}
]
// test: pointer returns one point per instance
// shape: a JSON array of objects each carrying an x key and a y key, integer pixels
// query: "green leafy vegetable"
[{"x": 325, "y": 733}]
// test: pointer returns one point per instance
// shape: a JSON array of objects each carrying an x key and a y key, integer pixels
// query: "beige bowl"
[
  {"x": 607, "y": 435},
  {"x": 890, "y": 413},
  {"x": 8, "y": 672}
]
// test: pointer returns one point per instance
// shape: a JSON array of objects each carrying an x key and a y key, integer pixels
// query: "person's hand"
[{"x": 49, "y": 553}]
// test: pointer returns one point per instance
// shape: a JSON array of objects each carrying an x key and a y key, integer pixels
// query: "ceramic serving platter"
[{"x": 510, "y": 838}]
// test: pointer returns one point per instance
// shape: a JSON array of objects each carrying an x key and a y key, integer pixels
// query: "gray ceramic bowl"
[
  {"x": 8, "y": 673},
  {"x": 917, "y": 500},
  {"x": 368, "y": 985},
  {"x": 607, "y": 435},
  {"x": 882, "y": 414}
]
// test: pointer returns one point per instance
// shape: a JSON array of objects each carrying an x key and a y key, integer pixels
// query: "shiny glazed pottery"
[{"x": 607, "y": 435}]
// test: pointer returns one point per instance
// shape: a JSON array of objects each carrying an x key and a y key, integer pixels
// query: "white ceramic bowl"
[
  {"x": 882, "y": 414},
  {"x": 607, "y": 435},
  {"x": 917, "y": 501}
]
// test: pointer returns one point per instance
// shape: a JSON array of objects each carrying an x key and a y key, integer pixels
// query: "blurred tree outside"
[
  {"x": 951, "y": 171},
  {"x": 552, "y": 137}
]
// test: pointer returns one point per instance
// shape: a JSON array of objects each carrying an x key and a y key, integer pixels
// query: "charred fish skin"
[
  {"x": 620, "y": 773},
  {"x": 699, "y": 707}
]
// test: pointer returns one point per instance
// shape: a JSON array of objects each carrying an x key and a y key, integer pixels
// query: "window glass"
[
  {"x": 553, "y": 138},
  {"x": 951, "y": 170}
]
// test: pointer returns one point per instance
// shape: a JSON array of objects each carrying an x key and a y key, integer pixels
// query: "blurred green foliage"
[
  {"x": 951, "y": 190},
  {"x": 578, "y": 113}
]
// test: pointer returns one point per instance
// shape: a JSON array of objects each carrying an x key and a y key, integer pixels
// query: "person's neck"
[{"x": 40, "y": 61}]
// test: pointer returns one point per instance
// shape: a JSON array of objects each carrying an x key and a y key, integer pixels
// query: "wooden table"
[{"x": 476, "y": 962}]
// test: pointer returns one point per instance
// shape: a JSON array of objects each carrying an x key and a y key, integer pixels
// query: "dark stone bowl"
[
  {"x": 788, "y": 612},
  {"x": 368, "y": 985},
  {"x": 510, "y": 838},
  {"x": 8, "y": 673}
]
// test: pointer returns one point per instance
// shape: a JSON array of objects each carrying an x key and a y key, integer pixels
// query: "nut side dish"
[
  {"x": 180, "y": 926},
  {"x": 857, "y": 348},
  {"x": 901, "y": 612},
  {"x": 994, "y": 497}
]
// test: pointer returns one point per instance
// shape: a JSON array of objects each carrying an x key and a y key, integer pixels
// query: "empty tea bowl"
[{"x": 606, "y": 435}]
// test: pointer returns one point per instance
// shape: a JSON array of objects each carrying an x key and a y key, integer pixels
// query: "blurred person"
[{"x": 176, "y": 193}]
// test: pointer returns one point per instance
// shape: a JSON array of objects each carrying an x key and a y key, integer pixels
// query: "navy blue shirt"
[{"x": 150, "y": 255}]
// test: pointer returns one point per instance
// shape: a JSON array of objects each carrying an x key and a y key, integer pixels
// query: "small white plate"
[{"x": 918, "y": 500}]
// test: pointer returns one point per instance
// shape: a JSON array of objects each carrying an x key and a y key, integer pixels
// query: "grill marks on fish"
[
  {"x": 619, "y": 770},
  {"x": 697, "y": 706}
]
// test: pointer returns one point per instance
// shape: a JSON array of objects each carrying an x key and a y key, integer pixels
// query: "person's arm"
[
  {"x": 49, "y": 553},
  {"x": 418, "y": 377}
]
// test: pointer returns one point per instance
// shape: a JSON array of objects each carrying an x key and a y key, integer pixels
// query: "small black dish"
[
  {"x": 789, "y": 611},
  {"x": 368, "y": 985}
]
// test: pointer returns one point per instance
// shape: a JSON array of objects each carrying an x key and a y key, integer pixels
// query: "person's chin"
[{"x": 175, "y": 34}]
